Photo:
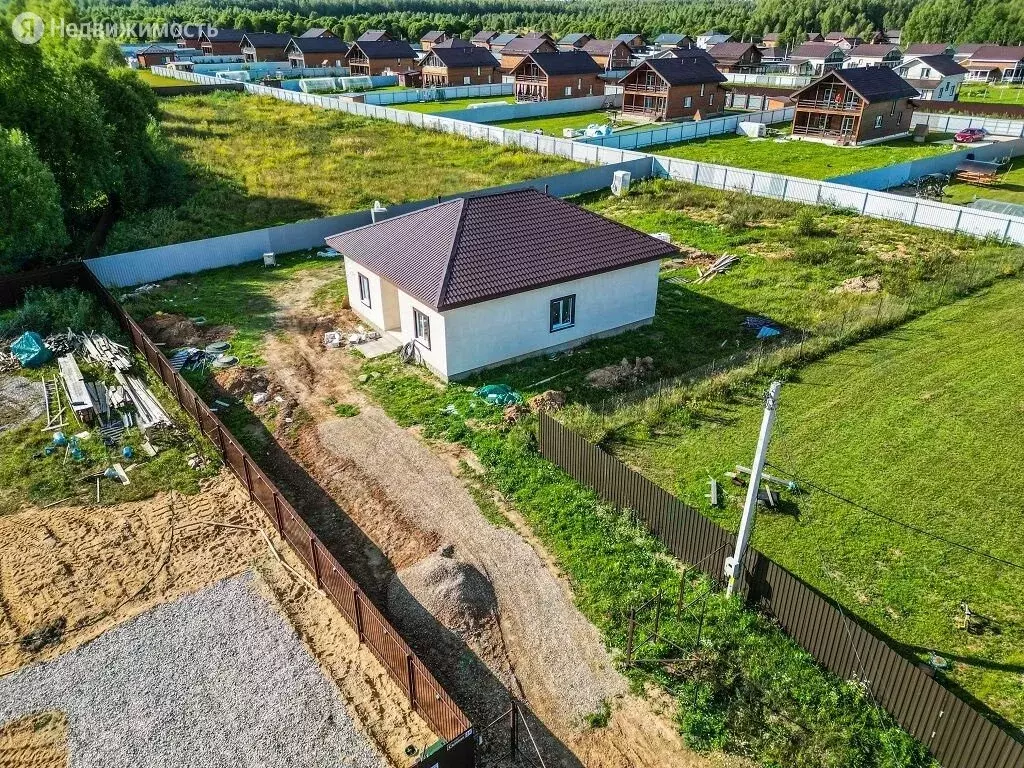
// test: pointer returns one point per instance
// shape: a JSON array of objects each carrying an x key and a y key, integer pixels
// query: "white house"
[
  {"x": 816, "y": 59},
  {"x": 937, "y": 78},
  {"x": 710, "y": 39},
  {"x": 479, "y": 281},
  {"x": 873, "y": 55}
]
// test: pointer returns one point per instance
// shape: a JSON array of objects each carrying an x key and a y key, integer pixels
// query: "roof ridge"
[
  {"x": 443, "y": 288},
  {"x": 398, "y": 216}
]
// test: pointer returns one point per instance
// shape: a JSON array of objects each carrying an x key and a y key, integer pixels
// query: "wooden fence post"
[
  {"x": 410, "y": 667},
  {"x": 316, "y": 561},
  {"x": 277, "y": 514},
  {"x": 359, "y": 614},
  {"x": 248, "y": 478}
]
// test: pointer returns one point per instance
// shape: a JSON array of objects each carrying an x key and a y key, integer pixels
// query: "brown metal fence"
[
  {"x": 426, "y": 696},
  {"x": 957, "y": 735}
]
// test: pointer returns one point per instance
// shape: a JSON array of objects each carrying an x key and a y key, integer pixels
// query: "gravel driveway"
[{"x": 217, "y": 678}]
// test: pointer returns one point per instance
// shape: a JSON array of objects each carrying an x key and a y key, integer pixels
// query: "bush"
[
  {"x": 807, "y": 222},
  {"x": 46, "y": 311}
]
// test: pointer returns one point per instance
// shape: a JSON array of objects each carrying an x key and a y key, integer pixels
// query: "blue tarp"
[{"x": 31, "y": 351}]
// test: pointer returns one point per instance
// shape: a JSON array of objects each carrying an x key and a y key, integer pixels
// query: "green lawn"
[
  {"x": 793, "y": 258},
  {"x": 1009, "y": 189},
  {"x": 449, "y": 105},
  {"x": 241, "y": 297},
  {"x": 159, "y": 81},
  {"x": 254, "y": 162},
  {"x": 553, "y": 125},
  {"x": 926, "y": 425},
  {"x": 807, "y": 159},
  {"x": 992, "y": 94}
]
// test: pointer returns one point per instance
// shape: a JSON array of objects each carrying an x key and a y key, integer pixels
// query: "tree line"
[
  {"x": 79, "y": 141},
  {"x": 957, "y": 21}
]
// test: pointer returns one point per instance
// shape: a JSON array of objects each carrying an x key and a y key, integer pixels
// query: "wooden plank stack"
[{"x": 721, "y": 266}]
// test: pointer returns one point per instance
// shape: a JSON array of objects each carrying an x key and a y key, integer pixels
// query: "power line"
[{"x": 909, "y": 526}]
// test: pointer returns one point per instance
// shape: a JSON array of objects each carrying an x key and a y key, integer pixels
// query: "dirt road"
[{"x": 408, "y": 504}]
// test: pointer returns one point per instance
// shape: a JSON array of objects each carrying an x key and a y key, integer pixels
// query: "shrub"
[
  {"x": 46, "y": 311},
  {"x": 807, "y": 223}
]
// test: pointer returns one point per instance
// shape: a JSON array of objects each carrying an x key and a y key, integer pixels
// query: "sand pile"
[
  {"x": 456, "y": 594},
  {"x": 180, "y": 331}
]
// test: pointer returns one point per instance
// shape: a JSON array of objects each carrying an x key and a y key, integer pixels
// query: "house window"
[
  {"x": 421, "y": 327},
  {"x": 899, "y": 117},
  {"x": 892, "y": 111},
  {"x": 563, "y": 313},
  {"x": 702, "y": 89},
  {"x": 568, "y": 90},
  {"x": 467, "y": 80},
  {"x": 579, "y": 83},
  {"x": 878, "y": 121},
  {"x": 926, "y": 73},
  {"x": 364, "y": 289},
  {"x": 711, "y": 99},
  {"x": 687, "y": 101}
]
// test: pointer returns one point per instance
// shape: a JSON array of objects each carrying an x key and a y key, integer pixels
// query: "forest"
[
  {"x": 957, "y": 21},
  {"x": 79, "y": 144}
]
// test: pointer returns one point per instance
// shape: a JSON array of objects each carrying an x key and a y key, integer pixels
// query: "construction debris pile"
[
  {"x": 194, "y": 359},
  {"x": 719, "y": 267},
  {"x": 112, "y": 409},
  {"x": 337, "y": 339}
]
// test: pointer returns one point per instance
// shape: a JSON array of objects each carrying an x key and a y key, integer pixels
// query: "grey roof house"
[{"x": 478, "y": 281}]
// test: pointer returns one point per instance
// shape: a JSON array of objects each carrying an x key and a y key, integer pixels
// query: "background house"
[
  {"x": 432, "y": 38},
  {"x": 317, "y": 32},
  {"x": 373, "y": 36},
  {"x": 574, "y": 40},
  {"x": 854, "y": 106},
  {"x": 930, "y": 49},
  {"x": 264, "y": 46},
  {"x": 843, "y": 40},
  {"x": 499, "y": 42},
  {"x": 709, "y": 39},
  {"x": 316, "y": 52},
  {"x": 367, "y": 58},
  {"x": 874, "y": 55},
  {"x": 483, "y": 39},
  {"x": 672, "y": 88},
  {"x": 936, "y": 78},
  {"x": 814, "y": 59},
  {"x": 559, "y": 75},
  {"x": 673, "y": 40},
  {"x": 995, "y": 63},
  {"x": 157, "y": 55},
  {"x": 610, "y": 55},
  {"x": 459, "y": 66},
  {"x": 471, "y": 287},
  {"x": 736, "y": 57},
  {"x": 518, "y": 49},
  {"x": 227, "y": 42},
  {"x": 634, "y": 40}
]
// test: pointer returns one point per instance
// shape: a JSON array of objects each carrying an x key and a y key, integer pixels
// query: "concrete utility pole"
[{"x": 734, "y": 564}]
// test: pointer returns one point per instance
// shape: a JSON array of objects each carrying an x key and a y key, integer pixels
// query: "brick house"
[
  {"x": 673, "y": 88},
  {"x": 316, "y": 52},
  {"x": 559, "y": 75},
  {"x": 737, "y": 57},
  {"x": 366, "y": 58},
  {"x": 610, "y": 55},
  {"x": 264, "y": 46},
  {"x": 460, "y": 66},
  {"x": 514, "y": 51},
  {"x": 862, "y": 105},
  {"x": 227, "y": 42}
]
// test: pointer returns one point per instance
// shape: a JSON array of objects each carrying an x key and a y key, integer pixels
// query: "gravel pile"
[
  {"x": 455, "y": 593},
  {"x": 217, "y": 678}
]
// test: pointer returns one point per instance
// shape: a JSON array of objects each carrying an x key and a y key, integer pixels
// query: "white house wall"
[
  {"x": 435, "y": 356},
  {"x": 491, "y": 332},
  {"x": 383, "y": 309}
]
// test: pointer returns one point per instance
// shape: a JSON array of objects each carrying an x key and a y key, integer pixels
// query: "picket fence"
[{"x": 882, "y": 205}]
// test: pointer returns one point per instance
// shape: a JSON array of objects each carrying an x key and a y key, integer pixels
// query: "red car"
[{"x": 969, "y": 135}]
